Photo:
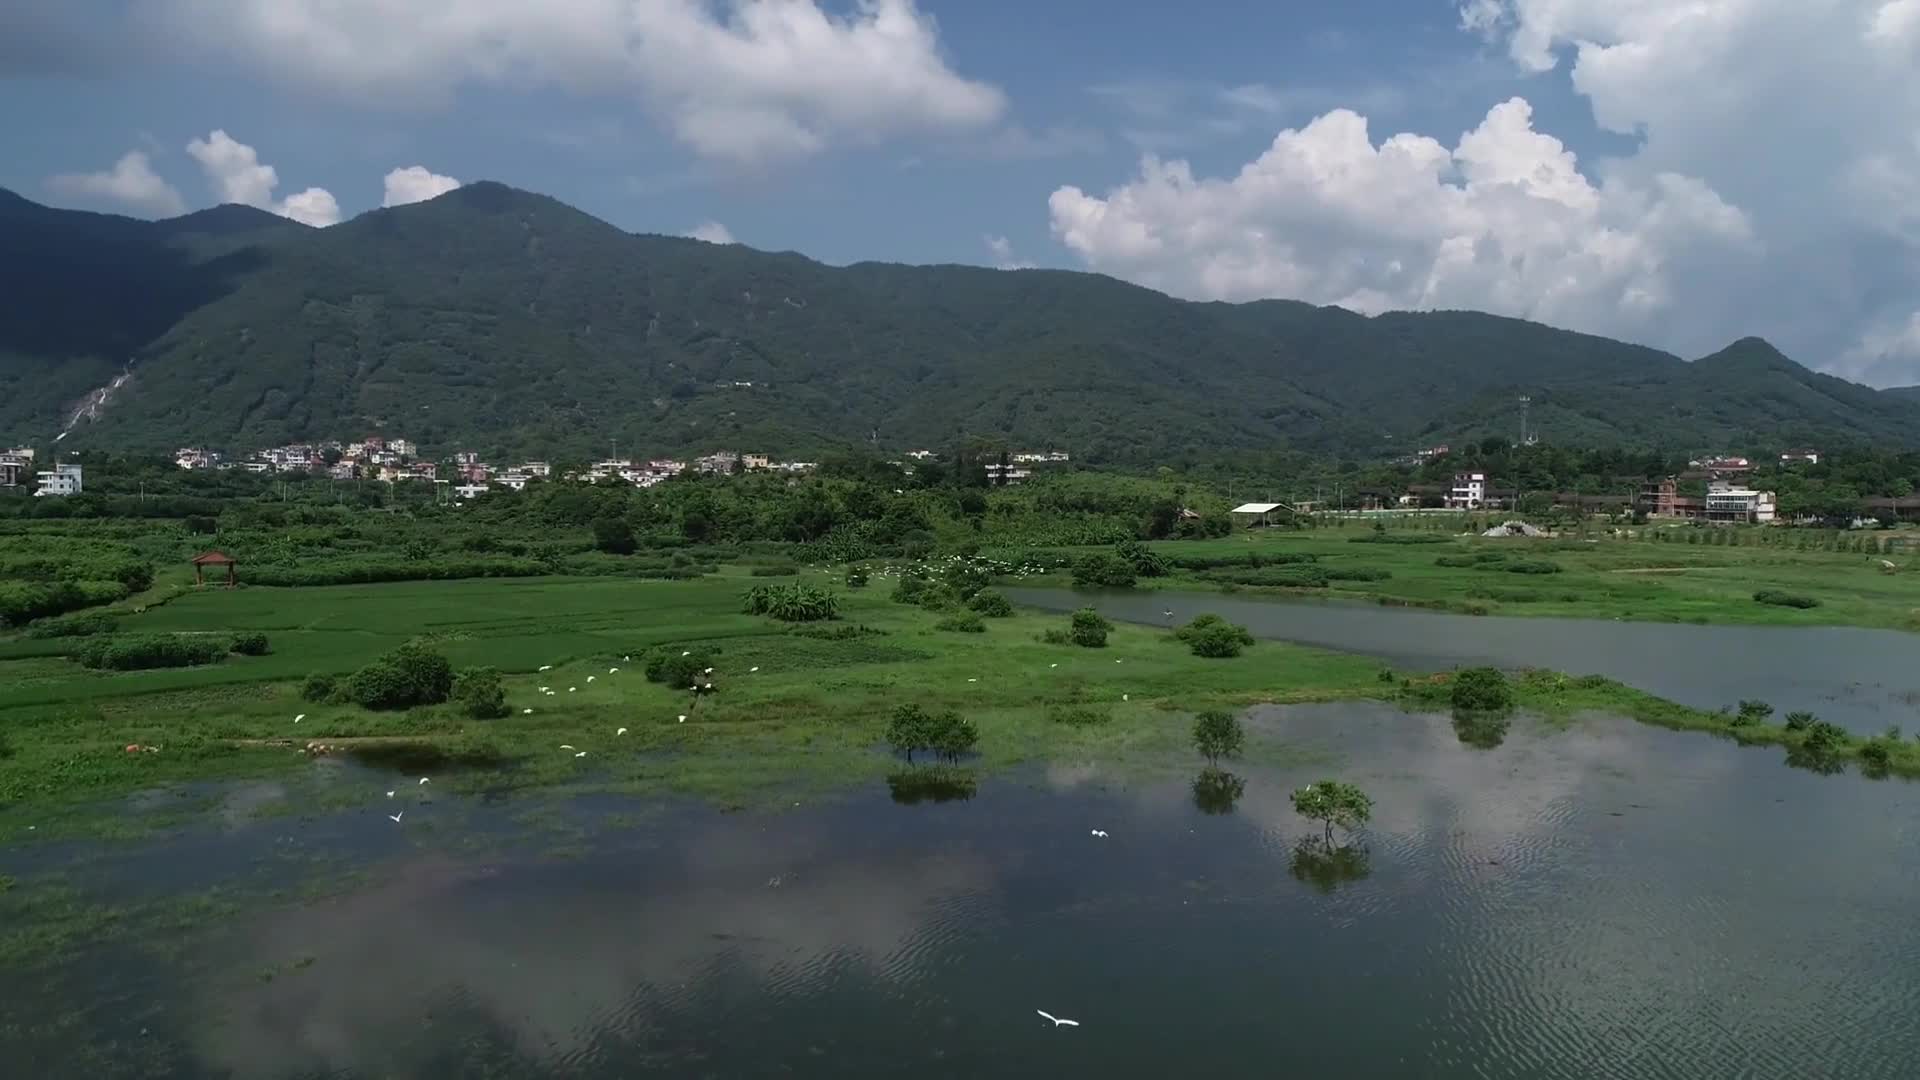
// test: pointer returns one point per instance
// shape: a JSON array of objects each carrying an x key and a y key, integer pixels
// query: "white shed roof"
[{"x": 1255, "y": 508}]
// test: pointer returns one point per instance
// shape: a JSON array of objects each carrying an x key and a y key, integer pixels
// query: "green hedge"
[
  {"x": 138, "y": 652},
  {"x": 21, "y": 602},
  {"x": 370, "y": 571},
  {"x": 1785, "y": 599}
]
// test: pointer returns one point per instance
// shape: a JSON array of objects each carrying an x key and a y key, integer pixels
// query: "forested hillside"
[{"x": 508, "y": 322}]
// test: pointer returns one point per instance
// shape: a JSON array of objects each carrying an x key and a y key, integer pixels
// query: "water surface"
[
  {"x": 1614, "y": 901},
  {"x": 1859, "y": 678}
]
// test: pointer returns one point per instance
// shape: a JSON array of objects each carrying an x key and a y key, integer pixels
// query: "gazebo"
[{"x": 215, "y": 559}]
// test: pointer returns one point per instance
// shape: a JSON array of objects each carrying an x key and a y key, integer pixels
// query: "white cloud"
[
  {"x": 743, "y": 81},
  {"x": 712, "y": 232},
  {"x": 236, "y": 175},
  {"x": 1503, "y": 221},
  {"x": 1806, "y": 115},
  {"x": 131, "y": 183},
  {"x": 1001, "y": 249},
  {"x": 415, "y": 184},
  {"x": 1771, "y": 187}
]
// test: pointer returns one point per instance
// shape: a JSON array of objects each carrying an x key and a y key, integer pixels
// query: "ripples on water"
[{"x": 1613, "y": 901}]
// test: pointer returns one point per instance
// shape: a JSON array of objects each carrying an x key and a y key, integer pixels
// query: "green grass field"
[{"x": 1602, "y": 579}]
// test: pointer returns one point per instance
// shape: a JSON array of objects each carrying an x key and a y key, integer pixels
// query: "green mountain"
[{"x": 509, "y": 322}]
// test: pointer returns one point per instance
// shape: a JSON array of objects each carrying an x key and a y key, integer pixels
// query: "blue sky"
[{"x": 1640, "y": 202}]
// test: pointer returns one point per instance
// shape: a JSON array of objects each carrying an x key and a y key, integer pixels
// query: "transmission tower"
[{"x": 1526, "y": 403}]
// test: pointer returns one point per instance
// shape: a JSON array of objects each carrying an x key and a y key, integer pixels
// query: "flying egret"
[
  {"x": 626, "y": 659},
  {"x": 1100, "y": 832},
  {"x": 611, "y": 670},
  {"x": 565, "y": 746},
  {"x": 622, "y": 731},
  {"x": 683, "y": 718},
  {"x": 590, "y": 678},
  {"x": 395, "y": 818},
  {"x": 1053, "y": 665},
  {"x": 709, "y": 671},
  {"x": 390, "y": 794},
  {"x": 526, "y": 712},
  {"x": 751, "y": 670},
  {"x": 582, "y": 753},
  {"x": 299, "y": 718},
  {"x": 1058, "y": 1021},
  {"x": 689, "y": 652},
  {"x": 425, "y": 780},
  {"x": 546, "y": 667},
  {"x": 571, "y": 689}
]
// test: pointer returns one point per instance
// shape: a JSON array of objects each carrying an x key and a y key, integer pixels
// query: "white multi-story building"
[
  {"x": 470, "y": 491},
  {"x": 1725, "y": 502},
  {"x": 401, "y": 447},
  {"x": 512, "y": 478},
  {"x": 1469, "y": 491},
  {"x": 537, "y": 468},
  {"x": 62, "y": 480},
  {"x": 14, "y": 468},
  {"x": 999, "y": 474}
]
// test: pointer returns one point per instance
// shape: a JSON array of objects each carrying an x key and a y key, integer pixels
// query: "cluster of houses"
[
  {"x": 1727, "y": 497},
  {"x": 1017, "y": 467},
  {"x": 16, "y": 466}
]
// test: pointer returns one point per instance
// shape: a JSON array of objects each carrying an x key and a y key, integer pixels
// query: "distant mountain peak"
[
  {"x": 226, "y": 218},
  {"x": 1752, "y": 352}
]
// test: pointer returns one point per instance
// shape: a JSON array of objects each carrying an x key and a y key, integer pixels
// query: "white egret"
[
  {"x": 390, "y": 794},
  {"x": 709, "y": 671},
  {"x": 565, "y": 746},
  {"x": 689, "y": 652},
  {"x": 395, "y": 818},
  {"x": 626, "y": 659},
  {"x": 571, "y": 689},
  {"x": 751, "y": 670},
  {"x": 299, "y": 718},
  {"x": 1100, "y": 833},
  {"x": 526, "y": 712},
  {"x": 611, "y": 670},
  {"x": 590, "y": 678},
  {"x": 622, "y": 731},
  {"x": 1057, "y": 1020},
  {"x": 683, "y": 718},
  {"x": 425, "y": 780},
  {"x": 582, "y": 753},
  {"x": 973, "y": 680},
  {"x": 546, "y": 667}
]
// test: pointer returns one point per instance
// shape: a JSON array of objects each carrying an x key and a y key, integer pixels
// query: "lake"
[
  {"x": 1861, "y": 679},
  {"x": 1610, "y": 901}
]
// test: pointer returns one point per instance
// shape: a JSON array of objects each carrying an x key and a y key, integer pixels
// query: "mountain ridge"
[{"x": 512, "y": 322}]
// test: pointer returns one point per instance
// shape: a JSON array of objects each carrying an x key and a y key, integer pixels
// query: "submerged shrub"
[
  {"x": 1079, "y": 715},
  {"x": 1481, "y": 689},
  {"x": 1751, "y": 712},
  {"x": 1103, "y": 571}
]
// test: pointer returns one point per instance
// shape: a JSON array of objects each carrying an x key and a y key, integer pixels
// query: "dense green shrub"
[
  {"x": 1481, "y": 689},
  {"x": 1252, "y": 560},
  {"x": 1750, "y": 713},
  {"x": 677, "y": 668},
  {"x": 408, "y": 676},
  {"x": 1103, "y": 571},
  {"x": 318, "y": 688},
  {"x": 1212, "y": 636},
  {"x": 1301, "y": 576},
  {"x": 368, "y": 570},
  {"x": 991, "y": 604},
  {"x": 480, "y": 693},
  {"x": 1530, "y": 566},
  {"x": 86, "y": 624},
  {"x": 251, "y": 643},
  {"x": 1217, "y": 734},
  {"x": 22, "y": 602},
  {"x": 775, "y": 570},
  {"x": 1144, "y": 561},
  {"x": 1400, "y": 538},
  {"x": 1785, "y": 599},
  {"x": 613, "y": 535},
  {"x": 856, "y": 577},
  {"x": 1476, "y": 559},
  {"x": 910, "y": 588},
  {"x": 1357, "y": 573},
  {"x": 796, "y": 602},
  {"x": 1800, "y": 721},
  {"x": 1088, "y": 629},
  {"x": 966, "y": 622},
  {"x": 137, "y": 652}
]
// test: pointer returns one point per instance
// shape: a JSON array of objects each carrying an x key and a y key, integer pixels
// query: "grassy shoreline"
[{"x": 1601, "y": 578}]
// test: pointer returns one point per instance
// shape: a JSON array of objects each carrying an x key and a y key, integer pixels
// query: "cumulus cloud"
[
  {"x": 131, "y": 183},
  {"x": 236, "y": 174},
  {"x": 712, "y": 232},
  {"x": 742, "y": 81},
  {"x": 1806, "y": 115},
  {"x": 1505, "y": 220},
  {"x": 1772, "y": 186},
  {"x": 415, "y": 183}
]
